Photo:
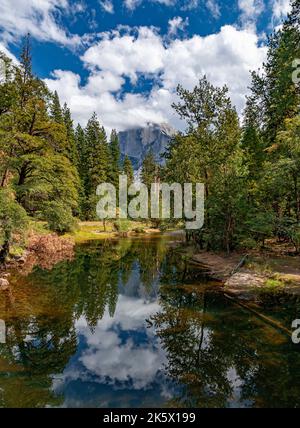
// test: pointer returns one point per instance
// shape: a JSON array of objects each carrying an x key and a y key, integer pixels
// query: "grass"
[
  {"x": 273, "y": 283},
  {"x": 94, "y": 230}
]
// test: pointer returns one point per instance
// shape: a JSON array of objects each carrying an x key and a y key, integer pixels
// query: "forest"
[{"x": 50, "y": 167}]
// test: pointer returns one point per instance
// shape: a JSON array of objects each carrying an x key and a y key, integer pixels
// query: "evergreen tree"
[
  {"x": 276, "y": 95},
  {"x": 150, "y": 170},
  {"x": 128, "y": 170},
  {"x": 71, "y": 151},
  {"x": 56, "y": 110},
  {"x": 33, "y": 145},
  {"x": 252, "y": 141},
  {"x": 115, "y": 156},
  {"x": 210, "y": 154},
  {"x": 98, "y": 161}
]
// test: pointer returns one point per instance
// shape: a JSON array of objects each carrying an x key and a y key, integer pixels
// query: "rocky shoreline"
[{"x": 245, "y": 276}]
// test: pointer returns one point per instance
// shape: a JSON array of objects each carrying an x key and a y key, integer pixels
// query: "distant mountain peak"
[{"x": 137, "y": 142}]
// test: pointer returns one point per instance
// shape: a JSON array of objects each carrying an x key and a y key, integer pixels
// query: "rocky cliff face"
[{"x": 137, "y": 142}]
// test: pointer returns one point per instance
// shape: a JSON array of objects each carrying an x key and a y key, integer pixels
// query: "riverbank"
[
  {"x": 95, "y": 230},
  {"x": 246, "y": 275},
  {"x": 45, "y": 248}
]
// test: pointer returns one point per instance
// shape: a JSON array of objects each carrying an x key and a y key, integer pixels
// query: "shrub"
[
  {"x": 13, "y": 221},
  {"x": 59, "y": 217},
  {"x": 122, "y": 225}
]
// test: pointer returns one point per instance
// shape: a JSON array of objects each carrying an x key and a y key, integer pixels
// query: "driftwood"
[{"x": 240, "y": 264}]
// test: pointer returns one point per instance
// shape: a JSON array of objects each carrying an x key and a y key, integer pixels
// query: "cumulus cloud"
[
  {"x": 127, "y": 54},
  {"x": 107, "y": 6},
  {"x": 225, "y": 57},
  {"x": 39, "y": 18}
]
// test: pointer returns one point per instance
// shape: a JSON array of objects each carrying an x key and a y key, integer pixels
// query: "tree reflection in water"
[
  {"x": 86, "y": 318},
  {"x": 222, "y": 354}
]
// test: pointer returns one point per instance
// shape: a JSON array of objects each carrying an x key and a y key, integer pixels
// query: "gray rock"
[{"x": 137, "y": 142}]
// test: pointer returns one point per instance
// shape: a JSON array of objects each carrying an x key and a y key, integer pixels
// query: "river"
[{"x": 127, "y": 323}]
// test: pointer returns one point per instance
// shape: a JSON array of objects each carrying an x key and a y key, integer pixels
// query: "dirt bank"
[
  {"x": 246, "y": 275},
  {"x": 42, "y": 250}
]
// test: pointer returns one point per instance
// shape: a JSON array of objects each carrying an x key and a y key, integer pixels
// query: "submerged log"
[{"x": 273, "y": 323}]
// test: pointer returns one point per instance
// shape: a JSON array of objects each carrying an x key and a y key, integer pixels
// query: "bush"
[
  {"x": 122, "y": 225},
  {"x": 139, "y": 229},
  {"x": 59, "y": 218},
  {"x": 13, "y": 221},
  {"x": 295, "y": 237}
]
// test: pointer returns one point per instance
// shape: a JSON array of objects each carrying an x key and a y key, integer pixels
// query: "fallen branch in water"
[{"x": 275, "y": 324}]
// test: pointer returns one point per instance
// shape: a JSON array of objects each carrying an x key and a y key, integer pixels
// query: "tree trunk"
[
  {"x": 4, "y": 179},
  {"x": 4, "y": 252}
]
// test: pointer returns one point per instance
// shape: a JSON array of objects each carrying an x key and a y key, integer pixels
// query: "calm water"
[{"x": 128, "y": 324}]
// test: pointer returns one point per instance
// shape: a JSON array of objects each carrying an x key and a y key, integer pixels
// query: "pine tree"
[
  {"x": 82, "y": 154},
  {"x": 98, "y": 161},
  {"x": 56, "y": 110},
  {"x": 150, "y": 170},
  {"x": 82, "y": 167},
  {"x": 252, "y": 141},
  {"x": 71, "y": 149},
  {"x": 274, "y": 91},
  {"x": 128, "y": 170},
  {"x": 115, "y": 156},
  {"x": 33, "y": 145}
]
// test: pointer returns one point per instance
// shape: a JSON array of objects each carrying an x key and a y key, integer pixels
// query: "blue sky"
[{"x": 124, "y": 58}]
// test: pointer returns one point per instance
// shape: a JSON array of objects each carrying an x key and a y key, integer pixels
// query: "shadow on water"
[{"x": 127, "y": 324}]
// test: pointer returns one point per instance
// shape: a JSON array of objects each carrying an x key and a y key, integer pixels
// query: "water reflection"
[{"x": 127, "y": 324}]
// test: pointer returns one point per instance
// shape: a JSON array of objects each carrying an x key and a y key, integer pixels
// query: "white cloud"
[
  {"x": 214, "y": 8},
  {"x": 250, "y": 10},
  {"x": 133, "y": 4},
  {"x": 37, "y": 17},
  {"x": 5, "y": 50},
  {"x": 177, "y": 24},
  {"x": 280, "y": 9},
  {"x": 225, "y": 57},
  {"x": 127, "y": 54},
  {"x": 107, "y": 5},
  {"x": 111, "y": 359}
]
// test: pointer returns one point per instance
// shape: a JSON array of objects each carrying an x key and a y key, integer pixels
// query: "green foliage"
[
  {"x": 128, "y": 170},
  {"x": 115, "y": 157},
  {"x": 56, "y": 110},
  {"x": 71, "y": 148},
  {"x": 210, "y": 153},
  {"x": 59, "y": 217},
  {"x": 35, "y": 146},
  {"x": 13, "y": 220},
  {"x": 122, "y": 225},
  {"x": 150, "y": 170}
]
